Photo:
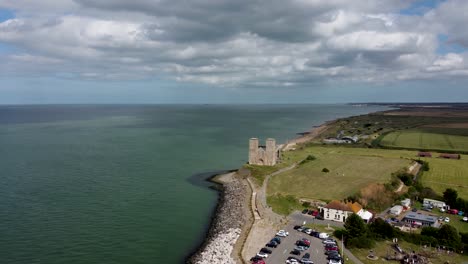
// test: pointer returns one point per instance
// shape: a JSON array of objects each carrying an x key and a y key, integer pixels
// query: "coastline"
[
  {"x": 233, "y": 217},
  {"x": 227, "y": 222}
]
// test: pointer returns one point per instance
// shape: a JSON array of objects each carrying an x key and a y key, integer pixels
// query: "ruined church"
[{"x": 267, "y": 155}]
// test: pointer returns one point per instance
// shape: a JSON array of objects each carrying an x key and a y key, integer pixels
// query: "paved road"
[{"x": 297, "y": 218}]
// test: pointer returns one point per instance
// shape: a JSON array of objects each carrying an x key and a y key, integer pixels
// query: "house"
[
  {"x": 406, "y": 202},
  {"x": 339, "y": 211},
  {"x": 430, "y": 202},
  {"x": 418, "y": 219},
  {"x": 396, "y": 210},
  {"x": 424, "y": 154},
  {"x": 449, "y": 156}
]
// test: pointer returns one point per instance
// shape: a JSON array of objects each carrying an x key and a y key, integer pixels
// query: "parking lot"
[{"x": 282, "y": 252}]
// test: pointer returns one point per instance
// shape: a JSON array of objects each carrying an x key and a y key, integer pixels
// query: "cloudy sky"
[{"x": 232, "y": 51}]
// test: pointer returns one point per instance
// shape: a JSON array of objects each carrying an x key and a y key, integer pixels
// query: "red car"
[
  {"x": 330, "y": 248},
  {"x": 315, "y": 213},
  {"x": 453, "y": 211}
]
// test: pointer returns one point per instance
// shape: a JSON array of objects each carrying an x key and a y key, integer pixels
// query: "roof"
[
  {"x": 397, "y": 207},
  {"x": 422, "y": 153},
  {"x": 366, "y": 215},
  {"x": 350, "y": 207},
  {"x": 421, "y": 217},
  {"x": 450, "y": 156}
]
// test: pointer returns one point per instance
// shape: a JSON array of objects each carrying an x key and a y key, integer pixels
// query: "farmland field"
[
  {"x": 428, "y": 139},
  {"x": 349, "y": 171}
]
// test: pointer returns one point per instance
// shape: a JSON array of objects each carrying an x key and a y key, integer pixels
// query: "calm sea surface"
[{"x": 109, "y": 184}]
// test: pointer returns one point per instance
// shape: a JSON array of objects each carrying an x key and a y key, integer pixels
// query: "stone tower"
[
  {"x": 253, "y": 151},
  {"x": 263, "y": 155},
  {"x": 270, "y": 152}
]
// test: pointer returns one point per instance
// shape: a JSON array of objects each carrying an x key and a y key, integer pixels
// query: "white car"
[
  {"x": 334, "y": 261},
  {"x": 282, "y": 233},
  {"x": 442, "y": 210},
  {"x": 447, "y": 219},
  {"x": 465, "y": 219},
  {"x": 323, "y": 235},
  {"x": 262, "y": 255}
]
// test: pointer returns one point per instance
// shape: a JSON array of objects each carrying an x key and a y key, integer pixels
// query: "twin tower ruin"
[{"x": 267, "y": 155}]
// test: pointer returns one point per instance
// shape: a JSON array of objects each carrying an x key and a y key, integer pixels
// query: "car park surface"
[{"x": 282, "y": 252}]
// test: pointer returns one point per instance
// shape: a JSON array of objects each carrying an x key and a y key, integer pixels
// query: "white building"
[
  {"x": 406, "y": 202},
  {"x": 396, "y": 210},
  {"x": 338, "y": 211},
  {"x": 439, "y": 204}
]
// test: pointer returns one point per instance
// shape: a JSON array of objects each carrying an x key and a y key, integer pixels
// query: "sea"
[{"x": 126, "y": 183}]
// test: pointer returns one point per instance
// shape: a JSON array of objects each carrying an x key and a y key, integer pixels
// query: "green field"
[
  {"x": 425, "y": 139},
  {"x": 360, "y": 167},
  {"x": 350, "y": 170},
  {"x": 445, "y": 174}
]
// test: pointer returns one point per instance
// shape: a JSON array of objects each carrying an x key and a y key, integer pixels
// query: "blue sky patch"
[
  {"x": 6, "y": 14},
  {"x": 420, "y": 7}
]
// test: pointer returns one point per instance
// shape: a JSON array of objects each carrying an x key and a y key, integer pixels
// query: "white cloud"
[{"x": 241, "y": 43}]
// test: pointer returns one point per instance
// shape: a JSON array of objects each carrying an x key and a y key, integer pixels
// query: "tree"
[
  {"x": 448, "y": 235},
  {"x": 381, "y": 229},
  {"x": 355, "y": 226},
  {"x": 450, "y": 197}
]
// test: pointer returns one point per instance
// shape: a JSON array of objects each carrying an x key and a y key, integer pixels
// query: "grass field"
[
  {"x": 383, "y": 247},
  {"x": 445, "y": 174},
  {"x": 360, "y": 166},
  {"x": 350, "y": 169},
  {"x": 431, "y": 139}
]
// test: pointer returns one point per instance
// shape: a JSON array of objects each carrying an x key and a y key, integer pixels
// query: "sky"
[{"x": 224, "y": 51}]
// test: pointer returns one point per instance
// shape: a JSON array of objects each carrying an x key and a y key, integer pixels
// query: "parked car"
[
  {"x": 460, "y": 213},
  {"x": 334, "y": 255},
  {"x": 263, "y": 255},
  {"x": 261, "y": 261},
  {"x": 319, "y": 217},
  {"x": 282, "y": 233},
  {"x": 305, "y": 211},
  {"x": 442, "y": 210},
  {"x": 296, "y": 227},
  {"x": 277, "y": 240},
  {"x": 300, "y": 248},
  {"x": 292, "y": 260},
  {"x": 272, "y": 244},
  {"x": 330, "y": 248},
  {"x": 334, "y": 261},
  {"x": 306, "y": 261},
  {"x": 302, "y": 243},
  {"x": 331, "y": 252},
  {"x": 447, "y": 220},
  {"x": 315, "y": 234},
  {"x": 315, "y": 213},
  {"x": 266, "y": 250},
  {"x": 295, "y": 252},
  {"x": 329, "y": 242},
  {"x": 414, "y": 210},
  {"x": 452, "y": 211},
  {"x": 256, "y": 258},
  {"x": 465, "y": 219},
  {"x": 308, "y": 231},
  {"x": 323, "y": 235},
  {"x": 307, "y": 241},
  {"x": 306, "y": 255}
]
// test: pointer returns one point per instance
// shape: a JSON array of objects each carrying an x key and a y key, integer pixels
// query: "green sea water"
[{"x": 109, "y": 184}]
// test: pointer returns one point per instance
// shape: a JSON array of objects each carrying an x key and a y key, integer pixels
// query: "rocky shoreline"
[{"x": 227, "y": 222}]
